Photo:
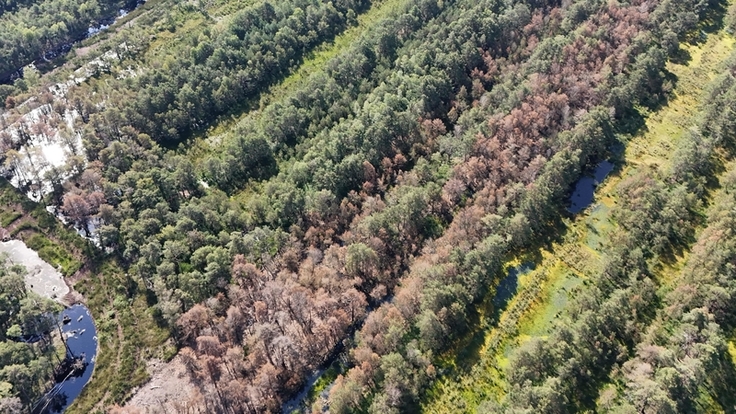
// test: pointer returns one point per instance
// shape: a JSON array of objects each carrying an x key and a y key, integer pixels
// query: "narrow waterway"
[{"x": 81, "y": 339}]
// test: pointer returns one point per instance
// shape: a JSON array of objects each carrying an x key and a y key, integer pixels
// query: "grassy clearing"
[
  {"x": 544, "y": 293},
  {"x": 313, "y": 61},
  {"x": 316, "y": 59},
  {"x": 665, "y": 127},
  {"x": 128, "y": 337}
]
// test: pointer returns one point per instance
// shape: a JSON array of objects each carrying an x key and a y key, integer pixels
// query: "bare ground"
[
  {"x": 41, "y": 277},
  {"x": 170, "y": 390}
]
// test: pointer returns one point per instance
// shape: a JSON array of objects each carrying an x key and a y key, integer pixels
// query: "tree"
[{"x": 77, "y": 209}]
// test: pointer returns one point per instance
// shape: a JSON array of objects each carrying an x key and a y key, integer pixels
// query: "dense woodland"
[
  {"x": 37, "y": 30},
  {"x": 662, "y": 353},
  {"x": 25, "y": 366},
  {"x": 373, "y": 205}
]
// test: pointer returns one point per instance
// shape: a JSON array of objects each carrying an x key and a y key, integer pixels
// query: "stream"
[
  {"x": 81, "y": 339},
  {"x": 581, "y": 198},
  {"x": 299, "y": 403}
]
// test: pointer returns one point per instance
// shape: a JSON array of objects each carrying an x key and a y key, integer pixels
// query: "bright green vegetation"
[{"x": 54, "y": 254}]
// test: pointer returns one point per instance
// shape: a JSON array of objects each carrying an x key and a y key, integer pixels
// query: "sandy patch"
[
  {"x": 170, "y": 389},
  {"x": 41, "y": 278}
]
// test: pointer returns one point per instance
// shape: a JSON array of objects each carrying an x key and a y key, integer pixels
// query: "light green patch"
[
  {"x": 539, "y": 320},
  {"x": 316, "y": 59},
  {"x": 666, "y": 127},
  {"x": 566, "y": 266},
  {"x": 597, "y": 226}
]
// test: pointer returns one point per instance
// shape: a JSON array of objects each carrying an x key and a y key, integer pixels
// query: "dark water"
[
  {"x": 582, "y": 197},
  {"x": 82, "y": 342},
  {"x": 507, "y": 288}
]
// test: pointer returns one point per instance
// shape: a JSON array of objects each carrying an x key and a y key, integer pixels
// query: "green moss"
[
  {"x": 564, "y": 266},
  {"x": 9, "y": 217},
  {"x": 327, "y": 378}
]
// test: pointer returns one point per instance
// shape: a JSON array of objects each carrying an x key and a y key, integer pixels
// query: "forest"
[
  {"x": 40, "y": 30},
  {"x": 254, "y": 191}
]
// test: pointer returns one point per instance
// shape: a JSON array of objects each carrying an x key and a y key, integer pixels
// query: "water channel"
[
  {"x": 581, "y": 198},
  {"x": 78, "y": 328},
  {"x": 75, "y": 325}
]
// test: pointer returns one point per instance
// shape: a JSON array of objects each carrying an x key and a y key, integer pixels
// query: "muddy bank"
[{"x": 41, "y": 277}]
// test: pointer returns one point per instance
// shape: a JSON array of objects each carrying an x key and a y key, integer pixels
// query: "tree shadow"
[
  {"x": 681, "y": 56},
  {"x": 722, "y": 382},
  {"x": 715, "y": 16},
  {"x": 631, "y": 123}
]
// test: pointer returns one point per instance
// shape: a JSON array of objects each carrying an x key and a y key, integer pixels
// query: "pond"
[
  {"x": 582, "y": 197},
  {"x": 81, "y": 338},
  {"x": 507, "y": 288}
]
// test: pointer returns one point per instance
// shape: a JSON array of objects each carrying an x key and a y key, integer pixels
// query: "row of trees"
[
  {"x": 660, "y": 348},
  {"x": 180, "y": 242},
  {"x": 181, "y": 245},
  {"x": 683, "y": 354},
  {"x": 208, "y": 73},
  {"x": 288, "y": 127},
  {"x": 12, "y": 5},
  {"x": 511, "y": 192},
  {"x": 369, "y": 178}
]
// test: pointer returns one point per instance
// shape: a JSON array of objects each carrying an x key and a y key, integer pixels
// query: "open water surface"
[
  {"x": 81, "y": 335},
  {"x": 582, "y": 197}
]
